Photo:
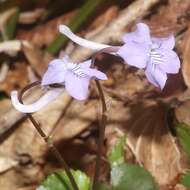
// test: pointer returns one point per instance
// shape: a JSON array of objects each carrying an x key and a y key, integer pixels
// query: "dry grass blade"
[
  {"x": 36, "y": 58},
  {"x": 15, "y": 78},
  {"x": 12, "y": 47},
  {"x": 31, "y": 16},
  {"x": 45, "y": 34}
]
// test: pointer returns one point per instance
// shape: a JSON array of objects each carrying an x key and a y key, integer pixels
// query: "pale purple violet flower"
[
  {"x": 155, "y": 55},
  {"x": 74, "y": 77}
]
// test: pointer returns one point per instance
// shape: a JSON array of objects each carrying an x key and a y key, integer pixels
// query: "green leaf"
[
  {"x": 185, "y": 180},
  {"x": 60, "y": 181},
  {"x": 183, "y": 132},
  {"x": 10, "y": 23},
  {"x": 131, "y": 177},
  {"x": 116, "y": 156}
]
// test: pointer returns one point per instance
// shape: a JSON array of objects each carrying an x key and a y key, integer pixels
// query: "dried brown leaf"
[
  {"x": 180, "y": 187},
  {"x": 45, "y": 34},
  {"x": 28, "y": 148},
  {"x": 149, "y": 138},
  {"x": 186, "y": 59},
  {"x": 182, "y": 112},
  {"x": 6, "y": 163},
  {"x": 153, "y": 144},
  {"x": 104, "y": 17},
  {"x": 77, "y": 118},
  {"x": 16, "y": 78},
  {"x": 168, "y": 17},
  {"x": 36, "y": 58}
]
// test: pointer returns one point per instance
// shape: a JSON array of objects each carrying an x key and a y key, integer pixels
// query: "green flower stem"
[
  {"x": 48, "y": 139},
  {"x": 82, "y": 15}
]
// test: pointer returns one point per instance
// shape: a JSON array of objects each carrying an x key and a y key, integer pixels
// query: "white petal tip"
[
  {"x": 80, "y": 41},
  {"x": 104, "y": 78},
  {"x": 15, "y": 101},
  {"x": 63, "y": 29},
  {"x": 13, "y": 94},
  {"x": 39, "y": 104}
]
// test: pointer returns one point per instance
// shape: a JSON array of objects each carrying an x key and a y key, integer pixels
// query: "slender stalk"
[
  {"x": 103, "y": 119},
  {"x": 101, "y": 135},
  {"x": 48, "y": 139}
]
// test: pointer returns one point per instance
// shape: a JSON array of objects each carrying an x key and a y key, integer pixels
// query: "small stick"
[{"x": 48, "y": 139}]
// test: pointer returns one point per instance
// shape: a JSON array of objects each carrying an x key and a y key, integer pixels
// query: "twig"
[
  {"x": 48, "y": 139},
  {"x": 12, "y": 46},
  {"x": 3, "y": 71},
  {"x": 30, "y": 17}
]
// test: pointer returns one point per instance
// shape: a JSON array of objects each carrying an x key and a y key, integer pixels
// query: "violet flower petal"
[
  {"x": 151, "y": 78},
  {"x": 170, "y": 63},
  {"x": 48, "y": 97},
  {"x": 160, "y": 77},
  {"x": 140, "y": 35},
  {"x": 95, "y": 74},
  {"x": 165, "y": 43},
  {"x": 77, "y": 83},
  {"x": 77, "y": 86},
  {"x": 135, "y": 54},
  {"x": 91, "y": 72},
  {"x": 55, "y": 72},
  {"x": 156, "y": 76},
  {"x": 86, "y": 64}
]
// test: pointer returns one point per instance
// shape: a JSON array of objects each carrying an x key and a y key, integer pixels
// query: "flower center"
[
  {"x": 76, "y": 69},
  {"x": 155, "y": 55}
]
